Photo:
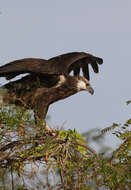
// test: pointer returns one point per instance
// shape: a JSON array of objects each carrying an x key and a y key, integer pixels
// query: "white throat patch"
[{"x": 81, "y": 85}]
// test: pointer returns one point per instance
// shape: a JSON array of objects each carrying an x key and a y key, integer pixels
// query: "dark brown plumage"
[
  {"x": 62, "y": 64},
  {"x": 48, "y": 80}
]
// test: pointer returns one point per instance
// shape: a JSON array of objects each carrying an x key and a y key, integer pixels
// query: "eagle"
[{"x": 47, "y": 80}]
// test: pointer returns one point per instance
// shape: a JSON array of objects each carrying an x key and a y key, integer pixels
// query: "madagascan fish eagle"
[{"x": 48, "y": 80}]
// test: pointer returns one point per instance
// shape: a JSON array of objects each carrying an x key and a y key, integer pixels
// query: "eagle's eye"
[{"x": 87, "y": 84}]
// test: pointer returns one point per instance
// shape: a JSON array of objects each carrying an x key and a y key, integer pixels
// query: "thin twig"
[
  {"x": 12, "y": 178},
  {"x": 87, "y": 147},
  {"x": 54, "y": 177}
]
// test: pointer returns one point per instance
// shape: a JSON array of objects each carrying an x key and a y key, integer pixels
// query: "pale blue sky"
[{"x": 45, "y": 28}]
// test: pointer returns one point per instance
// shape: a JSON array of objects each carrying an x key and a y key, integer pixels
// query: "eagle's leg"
[
  {"x": 41, "y": 122},
  {"x": 40, "y": 112}
]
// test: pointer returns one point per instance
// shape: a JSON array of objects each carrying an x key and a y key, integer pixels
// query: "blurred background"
[{"x": 48, "y": 28}]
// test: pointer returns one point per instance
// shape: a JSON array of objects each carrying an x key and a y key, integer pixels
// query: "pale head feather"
[{"x": 82, "y": 83}]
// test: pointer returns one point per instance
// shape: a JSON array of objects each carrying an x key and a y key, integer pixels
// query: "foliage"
[{"x": 34, "y": 158}]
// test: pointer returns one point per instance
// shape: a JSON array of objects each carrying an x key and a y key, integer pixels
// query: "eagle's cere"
[{"x": 47, "y": 81}]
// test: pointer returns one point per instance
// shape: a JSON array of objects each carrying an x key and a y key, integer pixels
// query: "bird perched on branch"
[{"x": 48, "y": 80}]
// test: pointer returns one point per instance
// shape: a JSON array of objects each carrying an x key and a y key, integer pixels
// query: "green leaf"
[{"x": 128, "y": 102}]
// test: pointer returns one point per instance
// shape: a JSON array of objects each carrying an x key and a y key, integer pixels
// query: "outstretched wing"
[
  {"x": 62, "y": 64},
  {"x": 74, "y": 62},
  {"x": 27, "y": 65}
]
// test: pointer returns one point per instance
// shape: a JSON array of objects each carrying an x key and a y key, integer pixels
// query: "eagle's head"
[
  {"x": 77, "y": 83},
  {"x": 84, "y": 84}
]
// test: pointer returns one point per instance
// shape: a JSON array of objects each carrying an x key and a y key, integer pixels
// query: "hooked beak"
[{"x": 90, "y": 90}]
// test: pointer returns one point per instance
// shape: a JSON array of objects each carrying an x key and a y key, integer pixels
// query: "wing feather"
[
  {"x": 75, "y": 61},
  {"x": 27, "y": 65},
  {"x": 85, "y": 70},
  {"x": 62, "y": 64}
]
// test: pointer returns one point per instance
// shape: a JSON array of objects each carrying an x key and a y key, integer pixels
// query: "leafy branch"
[{"x": 63, "y": 155}]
